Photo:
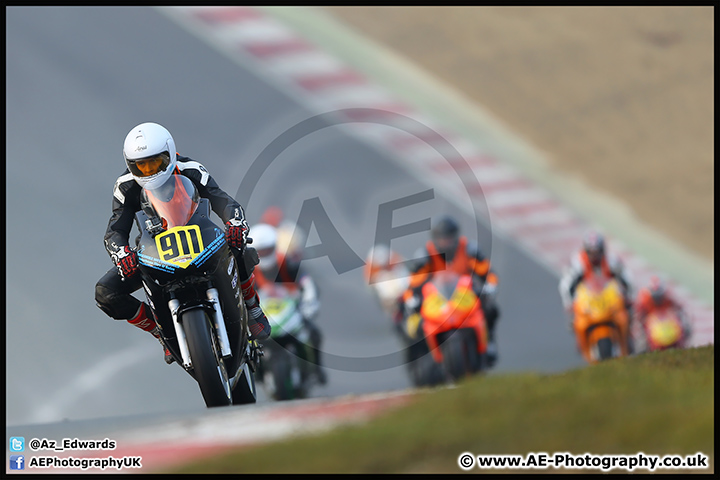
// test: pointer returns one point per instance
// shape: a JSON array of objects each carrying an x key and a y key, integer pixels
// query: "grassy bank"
[{"x": 658, "y": 404}]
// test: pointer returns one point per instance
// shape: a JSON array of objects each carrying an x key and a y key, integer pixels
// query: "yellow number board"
[{"x": 180, "y": 245}]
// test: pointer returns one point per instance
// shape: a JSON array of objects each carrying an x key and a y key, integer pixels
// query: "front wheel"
[
  {"x": 286, "y": 373},
  {"x": 460, "y": 356},
  {"x": 605, "y": 348},
  {"x": 208, "y": 366},
  {"x": 426, "y": 372}
]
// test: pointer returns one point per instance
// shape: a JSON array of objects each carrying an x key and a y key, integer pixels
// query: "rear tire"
[{"x": 208, "y": 366}]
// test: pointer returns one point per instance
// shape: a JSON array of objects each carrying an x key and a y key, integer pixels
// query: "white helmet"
[
  {"x": 149, "y": 152},
  {"x": 265, "y": 241},
  {"x": 380, "y": 255}
]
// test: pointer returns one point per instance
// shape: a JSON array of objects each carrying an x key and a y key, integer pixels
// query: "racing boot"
[
  {"x": 315, "y": 341},
  {"x": 168, "y": 356},
  {"x": 258, "y": 322},
  {"x": 144, "y": 322},
  {"x": 630, "y": 336},
  {"x": 491, "y": 353},
  {"x": 321, "y": 375}
]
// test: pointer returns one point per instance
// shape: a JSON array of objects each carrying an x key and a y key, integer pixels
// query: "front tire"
[
  {"x": 605, "y": 348},
  {"x": 286, "y": 373},
  {"x": 208, "y": 366},
  {"x": 459, "y": 355},
  {"x": 427, "y": 372}
]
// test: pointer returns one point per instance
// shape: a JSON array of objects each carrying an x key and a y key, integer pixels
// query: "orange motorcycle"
[
  {"x": 600, "y": 319},
  {"x": 453, "y": 324}
]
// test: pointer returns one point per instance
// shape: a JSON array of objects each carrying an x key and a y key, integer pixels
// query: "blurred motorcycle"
[
  {"x": 287, "y": 371},
  {"x": 453, "y": 326},
  {"x": 388, "y": 278},
  {"x": 600, "y": 319},
  {"x": 663, "y": 329}
]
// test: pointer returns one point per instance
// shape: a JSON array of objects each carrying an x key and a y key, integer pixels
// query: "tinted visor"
[
  {"x": 148, "y": 166},
  {"x": 657, "y": 296},
  {"x": 595, "y": 255},
  {"x": 445, "y": 243}
]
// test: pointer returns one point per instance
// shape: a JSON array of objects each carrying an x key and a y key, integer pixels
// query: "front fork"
[
  {"x": 214, "y": 297},
  {"x": 174, "y": 306},
  {"x": 218, "y": 321}
]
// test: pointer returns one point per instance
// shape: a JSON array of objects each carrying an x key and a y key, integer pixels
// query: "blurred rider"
[
  {"x": 447, "y": 249},
  {"x": 388, "y": 278},
  {"x": 151, "y": 159},
  {"x": 592, "y": 258},
  {"x": 655, "y": 297},
  {"x": 380, "y": 261},
  {"x": 276, "y": 267},
  {"x": 290, "y": 238}
]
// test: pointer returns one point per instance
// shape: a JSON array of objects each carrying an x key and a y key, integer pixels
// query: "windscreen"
[{"x": 174, "y": 202}]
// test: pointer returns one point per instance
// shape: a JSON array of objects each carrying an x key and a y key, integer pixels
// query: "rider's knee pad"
[{"x": 115, "y": 305}]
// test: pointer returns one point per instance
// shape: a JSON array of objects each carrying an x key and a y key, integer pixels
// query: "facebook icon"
[{"x": 17, "y": 462}]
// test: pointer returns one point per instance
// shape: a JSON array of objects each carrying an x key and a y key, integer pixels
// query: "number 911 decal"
[{"x": 180, "y": 245}]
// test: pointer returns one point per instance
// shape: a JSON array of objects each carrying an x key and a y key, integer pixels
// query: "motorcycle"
[
  {"x": 388, "y": 278},
  {"x": 600, "y": 319},
  {"x": 452, "y": 325},
  {"x": 287, "y": 371},
  {"x": 663, "y": 330},
  {"x": 190, "y": 279}
]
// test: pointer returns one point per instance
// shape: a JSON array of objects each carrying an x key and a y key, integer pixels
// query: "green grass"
[{"x": 655, "y": 403}]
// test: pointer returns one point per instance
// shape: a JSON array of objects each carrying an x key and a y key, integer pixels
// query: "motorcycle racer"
[
  {"x": 447, "y": 249},
  {"x": 284, "y": 267},
  {"x": 656, "y": 296},
  {"x": 151, "y": 159},
  {"x": 290, "y": 237},
  {"x": 387, "y": 276},
  {"x": 593, "y": 258}
]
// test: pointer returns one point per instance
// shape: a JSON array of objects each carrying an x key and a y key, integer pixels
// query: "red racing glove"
[
  {"x": 236, "y": 232},
  {"x": 126, "y": 261}
]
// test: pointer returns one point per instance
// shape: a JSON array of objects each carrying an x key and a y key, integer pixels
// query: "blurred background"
[{"x": 621, "y": 97}]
